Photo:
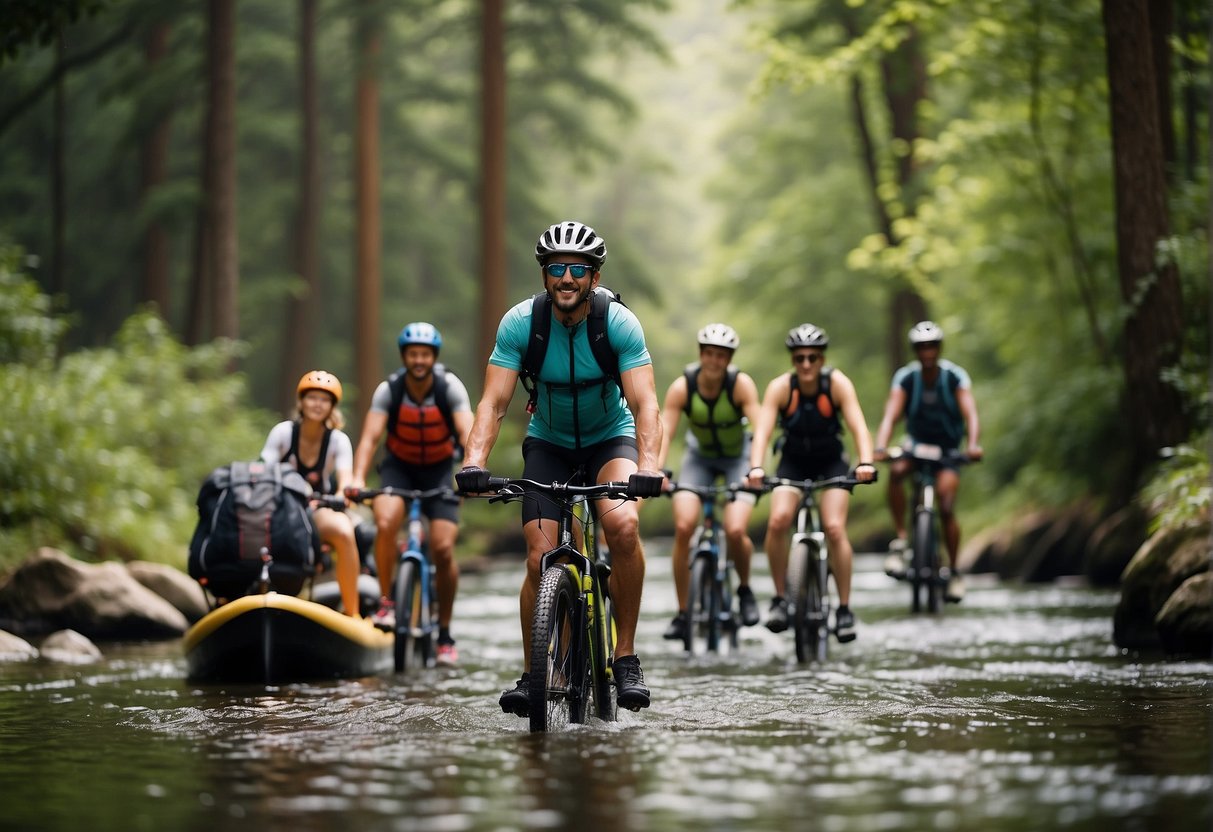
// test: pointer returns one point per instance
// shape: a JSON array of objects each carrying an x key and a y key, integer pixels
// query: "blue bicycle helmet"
[{"x": 419, "y": 332}]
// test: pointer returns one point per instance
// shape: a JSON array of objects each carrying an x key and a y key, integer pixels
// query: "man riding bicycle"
[
  {"x": 936, "y": 398},
  {"x": 582, "y": 418},
  {"x": 426, "y": 413},
  {"x": 720, "y": 402},
  {"x": 807, "y": 402}
]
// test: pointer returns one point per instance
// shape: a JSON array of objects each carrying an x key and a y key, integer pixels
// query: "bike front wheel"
[
  {"x": 809, "y": 613},
  {"x": 559, "y": 670},
  {"x": 924, "y": 566},
  {"x": 412, "y": 647},
  {"x": 703, "y": 624}
]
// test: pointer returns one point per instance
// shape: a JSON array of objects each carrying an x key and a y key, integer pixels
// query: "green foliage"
[
  {"x": 28, "y": 333},
  {"x": 1180, "y": 492},
  {"x": 104, "y": 451}
]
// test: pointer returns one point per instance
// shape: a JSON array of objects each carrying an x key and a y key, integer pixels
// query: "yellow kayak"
[{"x": 275, "y": 638}]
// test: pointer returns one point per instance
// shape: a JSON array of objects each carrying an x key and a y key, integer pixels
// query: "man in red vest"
[{"x": 426, "y": 414}]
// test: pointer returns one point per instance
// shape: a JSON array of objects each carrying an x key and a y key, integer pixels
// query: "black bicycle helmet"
[
  {"x": 571, "y": 237},
  {"x": 807, "y": 335}
]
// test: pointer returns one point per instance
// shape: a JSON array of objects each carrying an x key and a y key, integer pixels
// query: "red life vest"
[{"x": 420, "y": 434}]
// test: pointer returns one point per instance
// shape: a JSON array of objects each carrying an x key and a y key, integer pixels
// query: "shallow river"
[{"x": 1012, "y": 711}]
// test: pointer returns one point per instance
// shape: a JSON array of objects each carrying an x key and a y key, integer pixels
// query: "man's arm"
[
  {"x": 745, "y": 396},
  {"x": 968, "y": 409},
  {"x": 640, "y": 393},
  {"x": 671, "y": 413},
  {"x": 894, "y": 406},
  {"x": 373, "y": 428},
  {"x": 499, "y": 385}
]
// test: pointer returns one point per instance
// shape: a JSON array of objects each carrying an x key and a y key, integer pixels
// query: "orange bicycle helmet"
[{"x": 320, "y": 380}]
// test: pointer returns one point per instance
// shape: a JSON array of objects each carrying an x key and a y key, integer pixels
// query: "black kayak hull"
[{"x": 275, "y": 639}]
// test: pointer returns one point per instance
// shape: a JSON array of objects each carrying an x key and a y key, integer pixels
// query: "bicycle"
[
  {"x": 413, "y": 591},
  {"x": 808, "y": 590},
  {"x": 924, "y": 574},
  {"x": 572, "y": 630},
  {"x": 710, "y": 613}
]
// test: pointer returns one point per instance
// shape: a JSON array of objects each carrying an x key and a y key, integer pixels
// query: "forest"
[{"x": 200, "y": 201}]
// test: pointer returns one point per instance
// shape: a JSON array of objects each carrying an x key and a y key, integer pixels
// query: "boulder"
[
  {"x": 69, "y": 647},
  {"x": 51, "y": 591},
  {"x": 1161, "y": 565},
  {"x": 173, "y": 585},
  {"x": 15, "y": 649},
  {"x": 1061, "y": 548},
  {"x": 985, "y": 550},
  {"x": 1185, "y": 622},
  {"x": 1113, "y": 543},
  {"x": 1024, "y": 533}
]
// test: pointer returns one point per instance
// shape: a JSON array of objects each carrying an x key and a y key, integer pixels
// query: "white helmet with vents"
[
  {"x": 926, "y": 332},
  {"x": 571, "y": 237},
  {"x": 719, "y": 335}
]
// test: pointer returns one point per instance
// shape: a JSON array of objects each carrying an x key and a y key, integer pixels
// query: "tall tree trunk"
[
  {"x": 492, "y": 172},
  {"x": 1150, "y": 287},
  {"x": 59, "y": 177},
  {"x": 1162, "y": 24},
  {"x": 154, "y": 161},
  {"x": 221, "y": 212},
  {"x": 300, "y": 336},
  {"x": 368, "y": 279}
]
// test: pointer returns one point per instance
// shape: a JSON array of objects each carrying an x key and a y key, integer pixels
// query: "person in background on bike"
[
  {"x": 719, "y": 401},
  {"x": 807, "y": 403},
  {"x": 936, "y": 397},
  {"x": 426, "y": 413},
  {"x": 315, "y": 445},
  {"x": 581, "y": 418}
]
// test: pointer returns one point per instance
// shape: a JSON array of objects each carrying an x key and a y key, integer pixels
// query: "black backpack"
[
  {"x": 248, "y": 510},
  {"x": 596, "y": 330}
]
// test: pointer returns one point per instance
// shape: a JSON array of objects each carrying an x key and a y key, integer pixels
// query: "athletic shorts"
[
  {"x": 544, "y": 461},
  {"x": 808, "y": 468},
  {"x": 700, "y": 470},
  {"x": 396, "y": 473}
]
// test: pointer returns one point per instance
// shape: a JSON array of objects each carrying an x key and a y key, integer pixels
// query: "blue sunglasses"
[{"x": 577, "y": 270}]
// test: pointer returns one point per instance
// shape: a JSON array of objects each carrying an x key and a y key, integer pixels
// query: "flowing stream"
[{"x": 1012, "y": 711}]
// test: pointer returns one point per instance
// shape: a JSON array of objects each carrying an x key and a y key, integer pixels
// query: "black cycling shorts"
[
  {"x": 397, "y": 473},
  {"x": 809, "y": 468},
  {"x": 544, "y": 461}
]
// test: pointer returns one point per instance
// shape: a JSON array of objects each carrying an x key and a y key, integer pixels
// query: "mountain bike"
[
  {"x": 413, "y": 590},
  {"x": 572, "y": 629},
  {"x": 808, "y": 590},
  {"x": 710, "y": 614},
  {"x": 924, "y": 574}
]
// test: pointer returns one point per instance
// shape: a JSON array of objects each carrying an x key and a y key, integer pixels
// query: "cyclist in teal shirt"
[
  {"x": 936, "y": 398},
  {"x": 605, "y": 420}
]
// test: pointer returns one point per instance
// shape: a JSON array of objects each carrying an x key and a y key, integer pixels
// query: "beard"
[{"x": 564, "y": 303}]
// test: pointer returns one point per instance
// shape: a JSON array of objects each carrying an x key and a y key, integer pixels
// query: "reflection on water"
[{"x": 1010, "y": 712}]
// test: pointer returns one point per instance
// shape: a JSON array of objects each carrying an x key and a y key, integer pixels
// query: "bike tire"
[
  {"x": 559, "y": 670},
  {"x": 699, "y": 610},
  {"x": 408, "y": 650},
  {"x": 934, "y": 587},
  {"x": 808, "y": 625},
  {"x": 920, "y": 570}
]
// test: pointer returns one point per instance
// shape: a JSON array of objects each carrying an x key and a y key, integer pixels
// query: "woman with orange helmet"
[{"x": 314, "y": 443}]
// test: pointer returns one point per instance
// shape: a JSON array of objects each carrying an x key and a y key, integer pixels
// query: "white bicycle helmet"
[
  {"x": 719, "y": 335},
  {"x": 926, "y": 332},
  {"x": 571, "y": 237},
  {"x": 807, "y": 335}
]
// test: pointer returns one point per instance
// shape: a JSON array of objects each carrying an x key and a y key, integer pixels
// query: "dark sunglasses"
[
  {"x": 577, "y": 270},
  {"x": 810, "y": 357}
]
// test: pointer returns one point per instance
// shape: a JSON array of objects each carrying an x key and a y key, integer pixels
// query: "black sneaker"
[
  {"x": 777, "y": 615},
  {"x": 631, "y": 692},
  {"x": 844, "y": 625},
  {"x": 749, "y": 606},
  {"x": 677, "y": 631},
  {"x": 518, "y": 700}
]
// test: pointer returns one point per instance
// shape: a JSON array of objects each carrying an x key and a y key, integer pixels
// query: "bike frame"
[
  {"x": 924, "y": 573},
  {"x": 710, "y": 548}
]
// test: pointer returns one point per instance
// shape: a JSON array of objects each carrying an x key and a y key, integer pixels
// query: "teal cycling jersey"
[
  {"x": 577, "y": 404},
  {"x": 932, "y": 413}
]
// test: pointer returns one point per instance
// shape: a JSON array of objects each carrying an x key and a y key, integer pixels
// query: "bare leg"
[{"x": 443, "y": 534}]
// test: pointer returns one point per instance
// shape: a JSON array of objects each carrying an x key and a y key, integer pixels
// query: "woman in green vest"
[{"x": 719, "y": 402}]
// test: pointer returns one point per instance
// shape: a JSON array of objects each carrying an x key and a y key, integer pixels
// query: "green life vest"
[{"x": 716, "y": 424}]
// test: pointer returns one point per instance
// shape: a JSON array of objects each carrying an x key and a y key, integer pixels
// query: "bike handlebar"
[
  {"x": 931, "y": 454},
  {"x": 845, "y": 481},
  {"x": 509, "y": 489},
  {"x": 365, "y": 495},
  {"x": 334, "y": 501}
]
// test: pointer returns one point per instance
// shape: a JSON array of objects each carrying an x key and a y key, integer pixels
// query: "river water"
[{"x": 1012, "y": 711}]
